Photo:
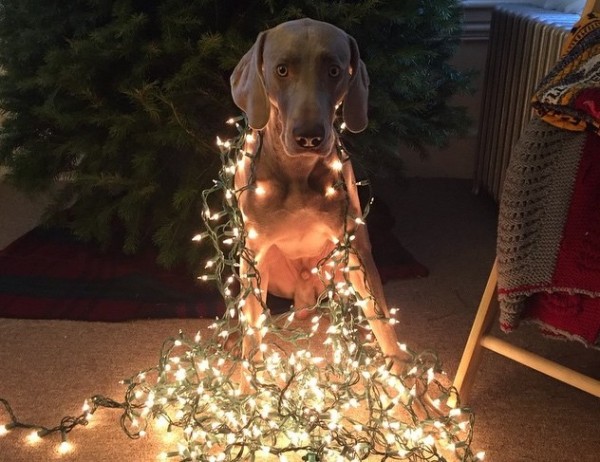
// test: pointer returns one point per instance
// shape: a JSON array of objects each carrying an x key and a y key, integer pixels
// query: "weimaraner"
[{"x": 289, "y": 85}]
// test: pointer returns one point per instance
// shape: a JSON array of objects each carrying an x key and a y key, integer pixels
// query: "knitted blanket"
[{"x": 548, "y": 246}]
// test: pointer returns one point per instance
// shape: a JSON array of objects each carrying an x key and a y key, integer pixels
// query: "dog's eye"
[
  {"x": 282, "y": 70},
  {"x": 334, "y": 71}
]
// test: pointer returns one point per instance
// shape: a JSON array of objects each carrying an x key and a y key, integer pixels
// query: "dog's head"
[{"x": 297, "y": 73}]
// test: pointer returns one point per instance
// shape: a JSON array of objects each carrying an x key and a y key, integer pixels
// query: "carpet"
[{"x": 49, "y": 274}]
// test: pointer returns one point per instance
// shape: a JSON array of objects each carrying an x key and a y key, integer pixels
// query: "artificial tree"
[{"x": 119, "y": 101}]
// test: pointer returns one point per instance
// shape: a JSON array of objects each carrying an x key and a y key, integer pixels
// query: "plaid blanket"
[{"x": 49, "y": 274}]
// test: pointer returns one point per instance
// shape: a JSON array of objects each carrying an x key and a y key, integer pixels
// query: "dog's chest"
[{"x": 300, "y": 218}]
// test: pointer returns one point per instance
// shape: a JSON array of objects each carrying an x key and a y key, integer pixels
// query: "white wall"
[{"x": 458, "y": 159}]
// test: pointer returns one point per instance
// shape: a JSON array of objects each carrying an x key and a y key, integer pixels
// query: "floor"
[{"x": 521, "y": 415}]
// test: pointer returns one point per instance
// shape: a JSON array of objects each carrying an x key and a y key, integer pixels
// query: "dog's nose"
[{"x": 309, "y": 138}]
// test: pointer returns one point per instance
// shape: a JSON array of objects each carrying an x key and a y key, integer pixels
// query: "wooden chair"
[{"x": 480, "y": 338}]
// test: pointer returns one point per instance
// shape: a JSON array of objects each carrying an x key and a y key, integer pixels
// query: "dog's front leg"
[
  {"x": 376, "y": 310},
  {"x": 385, "y": 333},
  {"x": 255, "y": 283}
]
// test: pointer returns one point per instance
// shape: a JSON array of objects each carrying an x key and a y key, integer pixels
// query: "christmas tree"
[{"x": 113, "y": 105}]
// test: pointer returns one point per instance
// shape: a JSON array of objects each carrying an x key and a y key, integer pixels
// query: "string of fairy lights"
[{"x": 282, "y": 401}]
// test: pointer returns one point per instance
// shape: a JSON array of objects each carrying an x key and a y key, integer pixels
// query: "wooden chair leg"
[
  {"x": 479, "y": 340},
  {"x": 471, "y": 358},
  {"x": 543, "y": 365}
]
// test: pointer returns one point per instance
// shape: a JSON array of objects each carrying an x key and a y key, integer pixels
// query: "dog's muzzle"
[{"x": 310, "y": 139}]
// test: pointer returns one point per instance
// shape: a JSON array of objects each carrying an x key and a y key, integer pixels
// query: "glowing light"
[
  {"x": 330, "y": 191},
  {"x": 430, "y": 375},
  {"x": 86, "y": 406},
  {"x": 455, "y": 412},
  {"x": 223, "y": 144},
  {"x": 33, "y": 437},
  {"x": 3, "y": 430},
  {"x": 337, "y": 165},
  {"x": 252, "y": 233},
  {"x": 180, "y": 375},
  {"x": 65, "y": 448}
]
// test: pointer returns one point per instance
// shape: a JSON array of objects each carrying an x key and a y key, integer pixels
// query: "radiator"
[{"x": 525, "y": 42}]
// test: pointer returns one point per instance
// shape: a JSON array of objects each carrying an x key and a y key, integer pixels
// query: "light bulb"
[
  {"x": 65, "y": 447},
  {"x": 337, "y": 165},
  {"x": 34, "y": 437}
]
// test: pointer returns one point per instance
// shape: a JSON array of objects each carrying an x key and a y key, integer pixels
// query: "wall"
[{"x": 458, "y": 159}]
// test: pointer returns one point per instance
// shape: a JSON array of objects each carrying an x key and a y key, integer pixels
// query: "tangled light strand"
[
  {"x": 344, "y": 405},
  {"x": 349, "y": 404}
]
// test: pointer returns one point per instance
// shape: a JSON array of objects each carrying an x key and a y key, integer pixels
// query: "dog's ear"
[
  {"x": 248, "y": 87},
  {"x": 356, "y": 100}
]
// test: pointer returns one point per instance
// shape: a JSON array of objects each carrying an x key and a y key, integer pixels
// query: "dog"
[{"x": 290, "y": 84}]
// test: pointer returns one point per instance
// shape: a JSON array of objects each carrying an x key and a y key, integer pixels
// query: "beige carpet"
[{"x": 47, "y": 368}]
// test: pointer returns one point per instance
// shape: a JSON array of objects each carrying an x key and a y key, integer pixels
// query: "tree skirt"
[{"x": 48, "y": 274}]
